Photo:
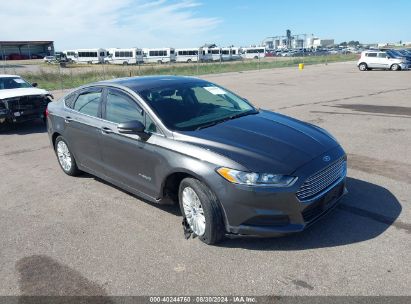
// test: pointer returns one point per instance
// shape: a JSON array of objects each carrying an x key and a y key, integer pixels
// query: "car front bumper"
[
  {"x": 271, "y": 212},
  {"x": 405, "y": 66},
  {"x": 274, "y": 222},
  {"x": 23, "y": 108}
]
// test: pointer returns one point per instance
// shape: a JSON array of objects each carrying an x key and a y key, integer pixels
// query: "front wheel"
[
  {"x": 65, "y": 157},
  {"x": 200, "y": 207},
  {"x": 395, "y": 67}
]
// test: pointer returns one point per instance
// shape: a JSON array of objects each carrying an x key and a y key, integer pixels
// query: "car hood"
[
  {"x": 264, "y": 142},
  {"x": 9, "y": 93}
]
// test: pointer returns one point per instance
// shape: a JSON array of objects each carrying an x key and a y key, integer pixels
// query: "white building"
[{"x": 315, "y": 42}]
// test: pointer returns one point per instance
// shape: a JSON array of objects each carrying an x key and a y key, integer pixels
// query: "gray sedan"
[{"x": 234, "y": 170}]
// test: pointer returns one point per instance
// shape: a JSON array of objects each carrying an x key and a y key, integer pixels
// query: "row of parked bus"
[{"x": 162, "y": 55}]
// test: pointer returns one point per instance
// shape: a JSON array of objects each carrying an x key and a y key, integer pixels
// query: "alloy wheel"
[
  {"x": 64, "y": 156},
  {"x": 193, "y": 211}
]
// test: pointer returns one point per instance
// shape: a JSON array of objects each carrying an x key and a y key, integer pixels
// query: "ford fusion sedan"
[
  {"x": 234, "y": 169},
  {"x": 21, "y": 101}
]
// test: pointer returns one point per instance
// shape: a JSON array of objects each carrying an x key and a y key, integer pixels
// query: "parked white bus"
[
  {"x": 212, "y": 54},
  {"x": 162, "y": 55},
  {"x": 124, "y": 56},
  {"x": 189, "y": 55},
  {"x": 70, "y": 54},
  {"x": 226, "y": 54},
  {"x": 253, "y": 52},
  {"x": 235, "y": 53},
  {"x": 90, "y": 55}
]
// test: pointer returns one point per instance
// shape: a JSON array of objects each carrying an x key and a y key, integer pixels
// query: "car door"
[
  {"x": 82, "y": 128},
  {"x": 128, "y": 158},
  {"x": 383, "y": 61},
  {"x": 372, "y": 61}
]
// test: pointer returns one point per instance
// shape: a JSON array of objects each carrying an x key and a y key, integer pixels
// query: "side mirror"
[
  {"x": 132, "y": 127},
  {"x": 34, "y": 84}
]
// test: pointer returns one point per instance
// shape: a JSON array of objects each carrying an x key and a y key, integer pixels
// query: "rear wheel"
[
  {"x": 200, "y": 207},
  {"x": 363, "y": 66},
  {"x": 159, "y": 61},
  {"x": 189, "y": 61},
  {"x": 65, "y": 157},
  {"x": 395, "y": 67},
  {"x": 125, "y": 63}
]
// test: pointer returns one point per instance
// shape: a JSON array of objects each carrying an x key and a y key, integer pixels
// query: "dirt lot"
[{"x": 63, "y": 235}]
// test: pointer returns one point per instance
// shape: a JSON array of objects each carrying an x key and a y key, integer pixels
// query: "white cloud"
[{"x": 107, "y": 23}]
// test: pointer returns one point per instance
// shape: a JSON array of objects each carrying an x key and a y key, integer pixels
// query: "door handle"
[
  {"x": 68, "y": 119},
  {"x": 106, "y": 130}
]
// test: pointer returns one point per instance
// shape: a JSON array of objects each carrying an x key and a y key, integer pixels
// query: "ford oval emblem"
[{"x": 326, "y": 158}]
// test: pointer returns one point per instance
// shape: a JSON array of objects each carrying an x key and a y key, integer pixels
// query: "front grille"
[
  {"x": 323, "y": 204},
  {"x": 321, "y": 180},
  {"x": 27, "y": 103}
]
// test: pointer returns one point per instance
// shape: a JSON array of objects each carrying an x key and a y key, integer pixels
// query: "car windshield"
[
  {"x": 394, "y": 53},
  {"x": 192, "y": 106},
  {"x": 13, "y": 83}
]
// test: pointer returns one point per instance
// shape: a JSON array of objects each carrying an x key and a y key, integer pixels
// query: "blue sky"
[
  {"x": 187, "y": 23},
  {"x": 364, "y": 20}
]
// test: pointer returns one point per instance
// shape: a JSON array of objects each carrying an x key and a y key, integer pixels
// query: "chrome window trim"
[{"x": 104, "y": 120}]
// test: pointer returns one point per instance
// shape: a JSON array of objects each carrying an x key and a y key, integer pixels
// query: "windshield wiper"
[
  {"x": 213, "y": 123},
  {"x": 251, "y": 112}
]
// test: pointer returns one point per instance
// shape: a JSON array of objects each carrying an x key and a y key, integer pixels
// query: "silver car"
[{"x": 381, "y": 60}]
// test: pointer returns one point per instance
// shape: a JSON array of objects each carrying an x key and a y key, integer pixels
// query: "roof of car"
[
  {"x": 149, "y": 82},
  {"x": 8, "y": 75}
]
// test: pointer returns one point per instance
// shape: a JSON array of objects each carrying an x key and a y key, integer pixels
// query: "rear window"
[
  {"x": 69, "y": 100},
  {"x": 88, "y": 103}
]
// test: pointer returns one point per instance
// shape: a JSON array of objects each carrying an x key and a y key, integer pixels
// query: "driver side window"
[{"x": 121, "y": 108}]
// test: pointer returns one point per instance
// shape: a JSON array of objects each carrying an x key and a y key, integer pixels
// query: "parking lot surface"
[{"x": 61, "y": 235}]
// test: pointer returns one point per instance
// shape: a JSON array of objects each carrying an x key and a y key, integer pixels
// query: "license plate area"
[{"x": 323, "y": 203}]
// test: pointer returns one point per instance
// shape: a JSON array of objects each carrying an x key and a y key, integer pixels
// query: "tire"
[
  {"x": 213, "y": 230},
  {"x": 159, "y": 61},
  {"x": 66, "y": 161},
  {"x": 125, "y": 63},
  {"x": 395, "y": 67},
  {"x": 363, "y": 67},
  {"x": 189, "y": 61}
]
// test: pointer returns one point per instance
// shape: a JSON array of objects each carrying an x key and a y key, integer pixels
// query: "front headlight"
[{"x": 256, "y": 179}]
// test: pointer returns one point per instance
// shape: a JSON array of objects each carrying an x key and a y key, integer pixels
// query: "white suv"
[{"x": 381, "y": 60}]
